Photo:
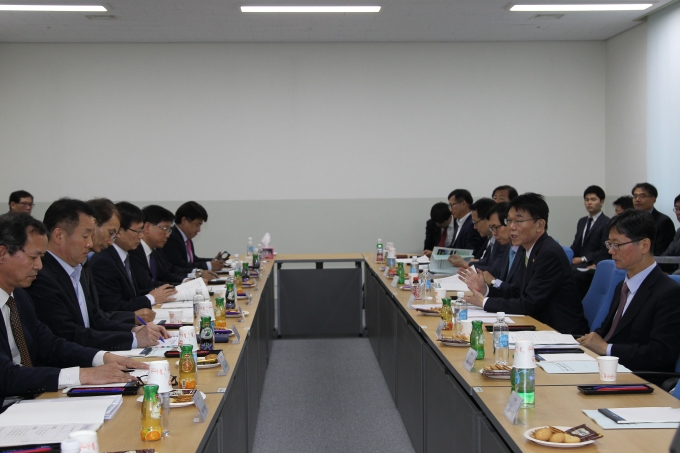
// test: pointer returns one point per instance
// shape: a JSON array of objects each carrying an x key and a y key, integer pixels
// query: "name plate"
[
  {"x": 438, "y": 332},
  {"x": 513, "y": 406},
  {"x": 470, "y": 358},
  {"x": 387, "y": 270},
  {"x": 201, "y": 406},
  {"x": 236, "y": 334},
  {"x": 410, "y": 302},
  {"x": 395, "y": 280},
  {"x": 223, "y": 363}
]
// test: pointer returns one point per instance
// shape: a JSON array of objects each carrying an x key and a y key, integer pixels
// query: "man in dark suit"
[
  {"x": 21, "y": 201},
  {"x": 149, "y": 268},
  {"x": 62, "y": 294},
  {"x": 106, "y": 229},
  {"x": 548, "y": 292},
  {"x": 674, "y": 247},
  {"x": 466, "y": 236},
  {"x": 622, "y": 203},
  {"x": 591, "y": 231},
  {"x": 643, "y": 322},
  {"x": 32, "y": 359},
  {"x": 644, "y": 197},
  {"x": 112, "y": 272},
  {"x": 439, "y": 229},
  {"x": 180, "y": 249},
  {"x": 504, "y": 193}
]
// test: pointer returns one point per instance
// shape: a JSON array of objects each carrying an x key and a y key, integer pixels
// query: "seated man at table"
[
  {"x": 674, "y": 248},
  {"x": 21, "y": 201},
  {"x": 61, "y": 294},
  {"x": 643, "y": 322},
  {"x": 439, "y": 229},
  {"x": 547, "y": 292},
  {"x": 622, "y": 203},
  {"x": 179, "y": 249},
  {"x": 32, "y": 359},
  {"x": 113, "y": 277},
  {"x": 644, "y": 198},
  {"x": 504, "y": 193},
  {"x": 106, "y": 229}
]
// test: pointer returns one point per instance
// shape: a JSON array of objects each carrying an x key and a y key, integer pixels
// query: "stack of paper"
[
  {"x": 544, "y": 339},
  {"x": 452, "y": 283},
  {"x": 187, "y": 291},
  {"x": 575, "y": 367},
  {"x": 607, "y": 423},
  {"x": 421, "y": 260}
]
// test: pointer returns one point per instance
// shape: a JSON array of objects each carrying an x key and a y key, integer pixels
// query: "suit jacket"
[
  {"x": 113, "y": 286},
  {"x": 548, "y": 292},
  {"x": 56, "y": 305},
  {"x": 511, "y": 276},
  {"x": 495, "y": 253},
  {"x": 139, "y": 267},
  {"x": 593, "y": 247},
  {"x": 126, "y": 317},
  {"x": 469, "y": 238},
  {"x": 48, "y": 352},
  {"x": 665, "y": 231},
  {"x": 674, "y": 248},
  {"x": 432, "y": 235},
  {"x": 176, "y": 252},
  {"x": 646, "y": 338}
]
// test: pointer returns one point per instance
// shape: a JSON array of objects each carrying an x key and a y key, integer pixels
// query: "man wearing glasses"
[
  {"x": 479, "y": 212},
  {"x": 111, "y": 269},
  {"x": 643, "y": 322},
  {"x": 21, "y": 201},
  {"x": 548, "y": 292},
  {"x": 644, "y": 197},
  {"x": 674, "y": 248}
]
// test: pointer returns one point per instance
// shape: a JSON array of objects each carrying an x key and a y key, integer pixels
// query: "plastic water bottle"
[
  {"x": 426, "y": 279},
  {"x": 414, "y": 265},
  {"x": 380, "y": 252},
  {"x": 250, "y": 249},
  {"x": 463, "y": 305},
  {"x": 198, "y": 298},
  {"x": 500, "y": 340}
]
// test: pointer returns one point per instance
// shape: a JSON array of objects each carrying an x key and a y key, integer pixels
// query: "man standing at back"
[
  {"x": 547, "y": 292},
  {"x": 644, "y": 198},
  {"x": 504, "y": 193},
  {"x": 179, "y": 249},
  {"x": 643, "y": 322}
]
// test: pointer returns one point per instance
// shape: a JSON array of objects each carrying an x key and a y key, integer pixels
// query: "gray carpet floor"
[{"x": 327, "y": 395}]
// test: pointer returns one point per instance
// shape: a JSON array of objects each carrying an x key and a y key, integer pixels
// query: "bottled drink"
[
  {"x": 446, "y": 315},
  {"x": 198, "y": 298},
  {"x": 256, "y": 258},
  {"x": 392, "y": 263},
  {"x": 414, "y": 265},
  {"x": 238, "y": 268},
  {"x": 401, "y": 274},
  {"x": 500, "y": 340},
  {"x": 259, "y": 248},
  {"x": 380, "y": 252},
  {"x": 151, "y": 414},
  {"x": 220, "y": 313},
  {"x": 245, "y": 273},
  {"x": 165, "y": 412},
  {"x": 415, "y": 289},
  {"x": 230, "y": 302},
  {"x": 249, "y": 247},
  {"x": 522, "y": 381},
  {"x": 187, "y": 368},
  {"x": 426, "y": 279},
  {"x": 477, "y": 339},
  {"x": 460, "y": 298},
  {"x": 207, "y": 338}
]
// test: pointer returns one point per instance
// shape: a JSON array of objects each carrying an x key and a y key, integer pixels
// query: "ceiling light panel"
[{"x": 583, "y": 7}]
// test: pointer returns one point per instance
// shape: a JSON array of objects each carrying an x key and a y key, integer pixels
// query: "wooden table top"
[
  {"x": 315, "y": 257},
  {"x": 563, "y": 406}
]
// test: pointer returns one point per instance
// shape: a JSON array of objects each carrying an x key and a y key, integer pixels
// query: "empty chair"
[
  {"x": 569, "y": 252},
  {"x": 597, "y": 300},
  {"x": 675, "y": 277}
]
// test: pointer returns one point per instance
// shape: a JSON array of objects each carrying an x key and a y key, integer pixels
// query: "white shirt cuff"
[
  {"x": 487, "y": 291},
  {"x": 152, "y": 299},
  {"x": 134, "y": 341},
  {"x": 497, "y": 283},
  {"x": 609, "y": 349},
  {"x": 484, "y": 301},
  {"x": 209, "y": 265},
  {"x": 98, "y": 359},
  {"x": 69, "y": 377}
]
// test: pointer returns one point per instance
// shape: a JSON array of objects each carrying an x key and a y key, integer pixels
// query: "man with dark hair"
[
  {"x": 63, "y": 296},
  {"x": 111, "y": 269},
  {"x": 31, "y": 357},
  {"x": 149, "y": 265},
  {"x": 504, "y": 193},
  {"x": 591, "y": 232},
  {"x": 644, "y": 197},
  {"x": 179, "y": 249},
  {"x": 479, "y": 211},
  {"x": 106, "y": 229},
  {"x": 465, "y": 235},
  {"x": 439, "y": 229},
  {"x": 643, "y": 322},
  {"x": 21, "y": 201},
  {"x": 622, "y": 203},
  {"x": 674, "y": 248},
  {"x": 547, "y": 292}
]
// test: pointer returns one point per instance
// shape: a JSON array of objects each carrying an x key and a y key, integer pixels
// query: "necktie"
[
  {"x": 619, "y": 311},
  {"x": 18, "y": 332},
  {"x": 75, "y": 279},
  {"x": 512, "y": 258},
  {"x": 455, "y": 231},
  {"x": 152, "y": 266},
  {"x": 190, "y": 249},
  {"x": 442, "y": 239},
  {"x": 585, "y": 235},
  {"x": 526, "y": 260},
  {"x": 127, "y": 269}
]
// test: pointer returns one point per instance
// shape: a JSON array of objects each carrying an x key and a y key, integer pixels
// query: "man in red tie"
[
  {"x": 439, "y": 230},
  {"x": 179, "y": 249},
  {"x": 643, "y": 322}
]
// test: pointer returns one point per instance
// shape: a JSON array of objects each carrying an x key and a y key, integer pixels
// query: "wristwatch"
[
  {"x": 584, "y": 259},
  {"x": 493, "y": 282}
]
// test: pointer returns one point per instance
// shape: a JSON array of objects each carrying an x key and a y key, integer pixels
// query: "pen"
[{"x": 144, "y": 322}]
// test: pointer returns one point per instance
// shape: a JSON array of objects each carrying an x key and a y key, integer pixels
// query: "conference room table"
[{"x": 444, "y": 407}]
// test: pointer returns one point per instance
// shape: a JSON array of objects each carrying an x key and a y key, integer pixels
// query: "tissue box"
[{"x": 268, "y": 253}]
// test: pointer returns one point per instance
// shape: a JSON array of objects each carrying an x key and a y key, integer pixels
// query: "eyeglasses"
[
  {"x": 510, "y": 222},
  {"x": 26, "y": 203},
  {"x": 451, "y": 205},
  {"x": 113, "y": 234},
  {"x": 495, "y": 228},
  {"x": 676, "y": 209},
  {"x": 614, "y": 246},
  {"x": 134, "y": 231},
  {"x": 640, "y": 196},
  {"x": 166, "y": 230},
  {"x": 475, "y": 223}
]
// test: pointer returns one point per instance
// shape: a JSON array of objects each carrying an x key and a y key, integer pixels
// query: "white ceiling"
[{"x": 222, "y": 21}]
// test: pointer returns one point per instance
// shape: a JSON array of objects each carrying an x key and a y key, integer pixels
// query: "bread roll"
[
  {"x": 558, "y": 438},
  {"x": 569, "y": 439},
  {"x": 542, "y": 434}
]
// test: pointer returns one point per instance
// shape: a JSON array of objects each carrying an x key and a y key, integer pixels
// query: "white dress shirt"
[{"x": 74, "y": 273}]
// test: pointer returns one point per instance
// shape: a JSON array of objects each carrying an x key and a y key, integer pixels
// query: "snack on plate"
[
  {"x": 574, "y": 435},
  {"x": 181, "y": 396},
  {"x": 497, "y": 371},
  {"x": 429, "y": 310},
  {"x": 455, "y": 338},
  {"x": 210, "y": 358},
  {"x": 583, "y": 432},
  {"x": 496, "y": 367}
]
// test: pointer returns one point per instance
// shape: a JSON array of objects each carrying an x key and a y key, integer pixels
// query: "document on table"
[
  {"x": 187, "y": 291},
  {"x": 543, "y": 338},
  {"x": 187, "y": 315},
  {"x": 452, "y": 283},
  {"x": 174, "y": 305},
  {"x": 646, "y": 415},
  {"x": 607, "y": 423},
  {"x": 421, "y": 260},
  {"x": 41, "y": 434},
  {"x": 488, "y": 319},
  {"x": 567, "y": 358},
  {"x": 575, "y": 367}
]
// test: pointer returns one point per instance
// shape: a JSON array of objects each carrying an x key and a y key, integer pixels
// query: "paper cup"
[
  {"x": 467, "y": 327},
  {"x": 187, "y": 335},
  {"x": 441, "y": 294},
  {"x": 175, "y": 316},
  {"x": 607, "y": 366},
  {"x": 88, "y": 441},
  {"x": 159, "y": 374},
  {"x": 524, "y": 355},
  {"x": 205, "y": 309}
]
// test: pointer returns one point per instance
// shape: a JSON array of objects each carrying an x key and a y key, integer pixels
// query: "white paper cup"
[
  {"x": 88, "y": 441},
  {"x": 205, "y": 309},
  {"x": 175, "y": 316},
  {"x": 187, "y": 335},
  {"x": 524, "y": 355},
  {"x": 441, "y": 294},
  {"x": 607, "y": 366},
  {"x": 467, "y": 327},
  {"x": 159, "y": 374}
]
